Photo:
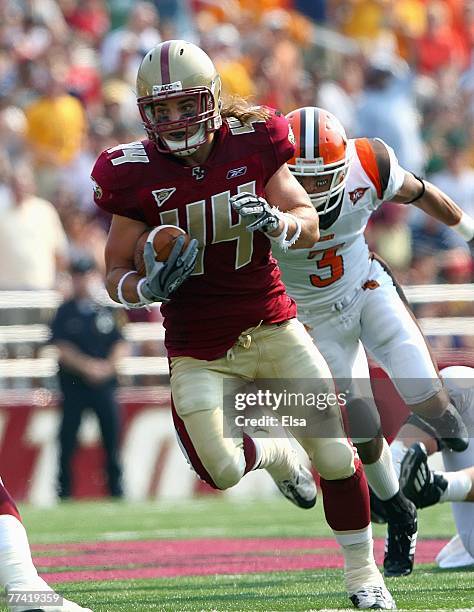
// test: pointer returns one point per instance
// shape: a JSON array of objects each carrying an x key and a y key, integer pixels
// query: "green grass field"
[{"x": 428, "y": 588}]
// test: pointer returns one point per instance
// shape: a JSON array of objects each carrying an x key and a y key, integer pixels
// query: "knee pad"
[
  {"x": 333, "y": 458},
  {"x": 229, "y": 472}
]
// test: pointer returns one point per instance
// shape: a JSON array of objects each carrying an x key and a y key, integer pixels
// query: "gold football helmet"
[{"x": 172, "y": 70}]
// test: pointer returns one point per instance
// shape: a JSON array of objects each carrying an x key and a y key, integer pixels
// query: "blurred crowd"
[{"x": 402, "y": 71}]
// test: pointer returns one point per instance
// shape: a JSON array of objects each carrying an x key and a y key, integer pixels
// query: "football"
[{"x": 164, "y": 237}]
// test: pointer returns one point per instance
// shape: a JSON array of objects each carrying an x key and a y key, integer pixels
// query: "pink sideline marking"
[{"x": 171, "y": 558}]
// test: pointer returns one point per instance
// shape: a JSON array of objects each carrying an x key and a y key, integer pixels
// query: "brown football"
[{"x": 163, "y": 242}]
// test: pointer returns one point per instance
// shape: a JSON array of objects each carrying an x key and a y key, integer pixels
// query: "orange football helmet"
[{"x": 321, "y": 151}]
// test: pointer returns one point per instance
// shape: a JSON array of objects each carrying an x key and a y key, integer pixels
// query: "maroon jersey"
[{"x": 236, "y": 282}]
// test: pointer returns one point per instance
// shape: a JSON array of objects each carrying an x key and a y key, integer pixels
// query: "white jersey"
[{"x": 339, "y": 263}]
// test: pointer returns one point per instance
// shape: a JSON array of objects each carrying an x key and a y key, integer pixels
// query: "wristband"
[
  {"x": 422, "y": 192},
  {"x": 281, "y": 239},
  {"x": 465, "y": 227},
  {"x": 144, "y": 299},
  {"x": 129, "y": 305}
]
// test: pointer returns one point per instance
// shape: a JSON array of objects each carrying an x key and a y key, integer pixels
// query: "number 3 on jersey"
[{"x": 331, "y": 266}]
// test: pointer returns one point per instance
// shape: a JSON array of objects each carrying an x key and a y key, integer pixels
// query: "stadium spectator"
[
  {"x": 342, "y": 94},
  {"x": 457, "y": 179},
  {"x": 441, "y": 46},
  {"x": 33, "y": 244},
  {"x": 134, "y": 39},
  {"x": 55, "y": 128},
  {"x": 223, "y": 44},
  {"x": 90, "y": 346},
  {"x": 386, "y": 110}
]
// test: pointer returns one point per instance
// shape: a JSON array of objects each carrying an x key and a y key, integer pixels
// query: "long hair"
[{"x": 242, "y": 110}]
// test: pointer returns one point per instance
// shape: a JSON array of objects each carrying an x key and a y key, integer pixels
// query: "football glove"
[
  {"x": 262, "y": 216},
  {"x": 164, "y": 277}
]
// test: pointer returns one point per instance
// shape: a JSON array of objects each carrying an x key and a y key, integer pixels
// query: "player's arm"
[
  {"x": 436, "y": 203},
  {"x": 124, "y": 284},
  {"x": 286, "y": 216},
  {"x": 120, "y": 270},
  {"x": 284, "y": 192}
]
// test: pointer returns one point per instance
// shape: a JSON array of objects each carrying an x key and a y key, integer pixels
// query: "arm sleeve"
[
  {"x": 392, "y": 178},
  {"x": 281, "y": 144},
  {"x": 112, "y": 191}
]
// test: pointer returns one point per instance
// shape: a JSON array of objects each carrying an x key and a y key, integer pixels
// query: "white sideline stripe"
[
  {"x": 416, "y": 294},
  {"x": 37, "y": 333},
  {"x": 47, "y": 367},
  {"x": 142, "y": 332},
  {"x": 422, "y": 294}
]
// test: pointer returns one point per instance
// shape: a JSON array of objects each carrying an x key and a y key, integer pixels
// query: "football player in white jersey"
[
  {"x": 426, "y": 487},
  {"x": 348, "y": 301}
]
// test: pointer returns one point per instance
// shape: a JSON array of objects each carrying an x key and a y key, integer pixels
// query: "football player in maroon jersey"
[
  {"x": 24, "y": 590},
  {"x": 219, "y": 172}
]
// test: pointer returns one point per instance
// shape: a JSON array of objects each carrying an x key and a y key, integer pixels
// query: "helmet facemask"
[
  {"x": 195, "y": 128},
  {"x": 337, "y": 172}
]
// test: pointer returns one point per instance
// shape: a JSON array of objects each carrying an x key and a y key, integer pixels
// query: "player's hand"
[
  {"x": 258, "y": 210},
  {"x": 164, "y": 277}
]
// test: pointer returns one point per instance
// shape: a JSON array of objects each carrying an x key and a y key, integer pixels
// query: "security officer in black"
[{"x": 89, "y": 344}]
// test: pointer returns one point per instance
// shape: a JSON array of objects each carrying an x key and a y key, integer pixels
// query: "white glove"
[
  {"x": 162, "y": 278},
  {"x": 265, "y": 217}
]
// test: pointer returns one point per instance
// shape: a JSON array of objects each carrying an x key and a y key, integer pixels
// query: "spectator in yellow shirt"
[{"x": 56, "y": 124}]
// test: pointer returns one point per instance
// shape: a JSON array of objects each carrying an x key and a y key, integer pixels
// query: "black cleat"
[
  {"x": 451, "y": 429},
  {"x": 400, "y": 543},
  {"x": 421, "y": 485}
]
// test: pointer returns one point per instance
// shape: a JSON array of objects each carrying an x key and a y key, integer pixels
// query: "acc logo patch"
[
  {"x": 176, "y": 86},
  {"x": 161, "y": 195},
  {"x": 97, "y": 189},
  {"x": 356, "y": 195}
]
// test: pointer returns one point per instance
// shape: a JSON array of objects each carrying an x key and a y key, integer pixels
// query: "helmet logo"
[
  {"x": 158, "y": 89},
  {"x": 97, "y": 189},
  {"x": 291, "y": 135}
]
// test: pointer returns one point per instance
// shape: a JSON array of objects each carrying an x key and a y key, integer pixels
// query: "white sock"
[
  {"x": 398, "y": 450},
  {"x": 276, "y": 456},
  {"x": 16, "y": 565},
  {"x": 360, "y": 569},
  {"x": 459, "y": 486},
  {"x": 381, "y": 474}
]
